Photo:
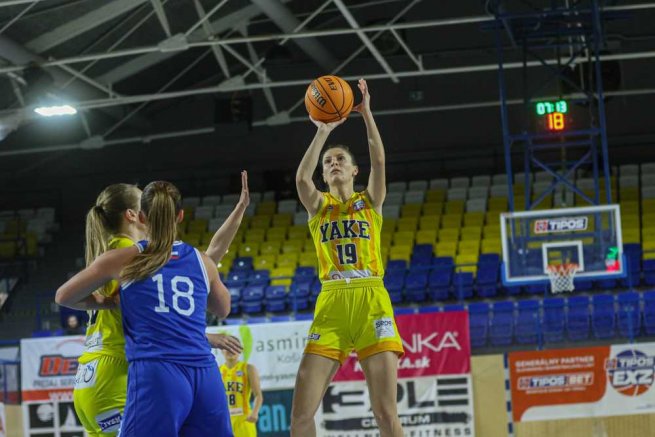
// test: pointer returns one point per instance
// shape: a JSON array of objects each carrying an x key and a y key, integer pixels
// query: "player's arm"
[
  {"x": 225, "y": 234},
  {"x": 219, "y": 299},
  {"x": 226, "y": 342},
  {"x": 78, "y": 291},
  {"x": 308, "y": 194},
  {"x": 255, "y": 387},
  {"x": 377, "y": 184}
]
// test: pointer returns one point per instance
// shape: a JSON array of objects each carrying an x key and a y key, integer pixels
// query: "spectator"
[{"x": 73, "y": 326}]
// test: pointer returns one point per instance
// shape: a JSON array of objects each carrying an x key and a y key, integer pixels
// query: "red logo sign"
[{"x": 58, "y": 365}]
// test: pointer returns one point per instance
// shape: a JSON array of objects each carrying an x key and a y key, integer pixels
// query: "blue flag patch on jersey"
[{"x": 359, "y": 205}]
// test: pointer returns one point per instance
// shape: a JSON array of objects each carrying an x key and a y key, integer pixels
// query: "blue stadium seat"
[
  {"x": 577, "y": 320},
  {"x": 421, "y": 255},
  {"x": 629, "y": 314},
  {"x": 633, "y": 253},
  {"x": 242, "y": 263},
  {"x": 395, "y": 265},
  {"x": 399, "y": 311},
  {"x": 487, "y": 278},
  {"x": 298, "y": 296},
  {"x": 235, "y": 299},
  {"x": 304, "y": 275},
  {"x": 502, "y": 323},
  {"x": 234, "y": 321},
  {"x": 583, "y": 284},
  {"x": 606, "y": 284},
  {"x": 314, "y": 291},
  {"x": 252, "y": 299},
  {"x": 439, "y": 283},
  {"x": 537, "y": 289},
  {"x": 428, "y": 309},
  {"x": 463, "y": 285},
  {"x": 603, "y": 319},
  {"x": 276, "y": 298},
  {"x": 42, "y": 333},
  {"x": 527, "y": 328},
  {"x": 236, "y": 279},
  {"x": 649, "y": 312},
  {"x": 553, "y": 319},
  {"x": 479, "y": 323},
  {"x": 394, "y": 281},
  {"x": 275, "y": 319},
  {"x": 453, "y": 307},
  {"x": 649, "y": 271},
  {"x": 259, "y": 277},
  {"x": 305, "y": 316},
  {"x": 253, "y": 320},
  {"x": 416, "y": 284},
  {"x": 513, "y": 290}
]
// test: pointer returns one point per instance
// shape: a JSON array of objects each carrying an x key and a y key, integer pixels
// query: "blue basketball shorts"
[{"x": 166, "y": 399}]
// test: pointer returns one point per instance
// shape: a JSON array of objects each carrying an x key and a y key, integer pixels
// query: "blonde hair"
[
  {"x": 160, "y": 202},
  {"x": 104, "y": 219}
]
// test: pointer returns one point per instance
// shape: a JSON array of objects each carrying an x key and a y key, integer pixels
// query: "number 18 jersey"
[
  {"x": 164, "y": 314},
  {"x": 347, "y": 238}
]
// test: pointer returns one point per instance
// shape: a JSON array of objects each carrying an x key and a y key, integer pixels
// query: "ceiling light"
[{"x": 49, "y": 111}]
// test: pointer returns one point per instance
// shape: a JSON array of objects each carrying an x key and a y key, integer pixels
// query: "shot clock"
[{"x": 553, "y": 115}]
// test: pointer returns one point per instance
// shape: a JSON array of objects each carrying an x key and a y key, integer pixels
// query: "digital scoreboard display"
[{"x": 553, "y": 114}]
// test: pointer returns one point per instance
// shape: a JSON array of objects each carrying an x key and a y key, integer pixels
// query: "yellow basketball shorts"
[
  {"x": 243, "y": 428},
  {"x": 353, "y": 315},
  {"x": 100, "y": 394}
]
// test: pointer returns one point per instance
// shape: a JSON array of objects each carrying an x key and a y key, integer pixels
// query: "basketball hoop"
[{"x": 561, "y": 276}]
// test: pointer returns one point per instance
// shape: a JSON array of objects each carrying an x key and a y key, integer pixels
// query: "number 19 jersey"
[{"x": 347, "y": 238}]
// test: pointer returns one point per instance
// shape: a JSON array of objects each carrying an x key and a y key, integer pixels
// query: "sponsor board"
[
  {"x": 275, "y": 349},
  {"x": 48, "y": 372},
  {"x": 560, "y": 224},
  {"x": 435, "y": 395},
  {"x": 585, "y": 382}
]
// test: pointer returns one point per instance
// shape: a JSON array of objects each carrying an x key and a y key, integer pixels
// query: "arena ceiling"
[{"x": 129, "y": 66}]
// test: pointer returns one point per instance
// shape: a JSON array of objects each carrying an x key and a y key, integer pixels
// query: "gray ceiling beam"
[
  {"x": 285, "y": 20},
  {"x": 161, "y": 14},
  {"x": 80, "y": 25},
  {"x": 218, "y": 53},
  {"x": 218, "y": 26},
  {"x": 366, "y": 40}
]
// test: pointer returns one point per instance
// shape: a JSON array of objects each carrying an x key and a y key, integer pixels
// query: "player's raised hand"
[
  {"x": 244, "y": 199},
  {"x": 329, "y": 127},
  {"x": 365, "y": 104}
]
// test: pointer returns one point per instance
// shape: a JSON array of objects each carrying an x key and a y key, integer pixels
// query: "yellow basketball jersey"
[
  {"x": 104, "y": 334},
  {"x": 237, "y": 388},
  {"x": 347, "y": 238}
]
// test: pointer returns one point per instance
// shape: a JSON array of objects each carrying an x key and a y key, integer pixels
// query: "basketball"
[{"x": 329, "y": 99}]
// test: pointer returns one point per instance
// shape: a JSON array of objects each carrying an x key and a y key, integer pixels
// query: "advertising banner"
[
  {"x": 48, "y": 368},
  {"x": 585, "y": 382},
  {"x": 435, "y": 395}
]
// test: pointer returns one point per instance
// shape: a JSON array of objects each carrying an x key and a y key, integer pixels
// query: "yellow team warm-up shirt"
[
  {"x": 237, "y": 388},
  {"x": 104, "y": 334},
  {"x": 347, "y": 238}
]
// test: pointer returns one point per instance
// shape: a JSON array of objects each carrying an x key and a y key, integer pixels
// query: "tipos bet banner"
[{"x": 586, "y": 382}]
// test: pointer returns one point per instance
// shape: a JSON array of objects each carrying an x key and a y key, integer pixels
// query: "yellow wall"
[
  {"x": 489, "y": 401},
  {"x": 14, "y": 415},
  {"x": 642, "y": 425}
]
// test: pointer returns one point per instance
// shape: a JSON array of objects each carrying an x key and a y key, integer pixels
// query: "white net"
[{"x": 561, "y": 277}]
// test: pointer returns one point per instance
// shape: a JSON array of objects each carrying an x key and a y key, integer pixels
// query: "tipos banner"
[{"x": 586, "y": 382}]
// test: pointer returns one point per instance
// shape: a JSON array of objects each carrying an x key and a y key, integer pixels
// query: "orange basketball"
[{"x": 328, "y": 99}]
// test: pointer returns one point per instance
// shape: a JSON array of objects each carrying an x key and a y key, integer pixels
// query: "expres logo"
[
  {"x": 631, "y": 372},
  {"x": 58, "y": 365},
  {"x": 563, "y": 224}
]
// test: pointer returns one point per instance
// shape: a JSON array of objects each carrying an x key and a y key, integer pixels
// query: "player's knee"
[
  {"x": 385, "y": 414},
  {"x": 301, "y": 415}
]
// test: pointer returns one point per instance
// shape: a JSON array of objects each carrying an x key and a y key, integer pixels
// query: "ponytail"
[
  {"x": 161, "y": 202},
  {"x": 97, "y": 235}
]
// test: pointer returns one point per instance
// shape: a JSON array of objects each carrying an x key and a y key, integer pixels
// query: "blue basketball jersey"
[{"x": 164, "y": 314}]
